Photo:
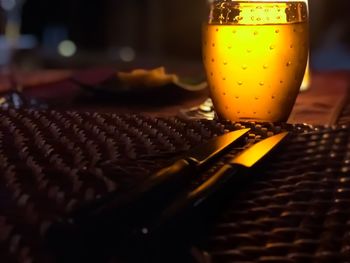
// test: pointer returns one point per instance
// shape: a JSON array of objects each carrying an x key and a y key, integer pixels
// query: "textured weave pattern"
[
  {"x": 298, "y": 212},
  {"x": 51, "y": 161}
]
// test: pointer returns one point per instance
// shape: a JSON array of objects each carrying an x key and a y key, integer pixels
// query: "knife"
[
  {"x": 186, "y": 203},
  {"x": 167, "y": 179},
  {"x": 145, "y": 198},
  {"x": 188, "y": 215}
]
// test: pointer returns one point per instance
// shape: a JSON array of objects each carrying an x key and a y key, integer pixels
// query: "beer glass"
[{"x": 255, "y": 54}]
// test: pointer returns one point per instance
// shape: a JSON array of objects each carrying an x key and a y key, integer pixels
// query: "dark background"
[
  {"x": 148, "y": 26},
  {"x": 165, "y": 28}
]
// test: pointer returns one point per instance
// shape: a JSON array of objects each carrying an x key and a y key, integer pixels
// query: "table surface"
[
  {"x": 320, "y": 105},
  {"x": 324, "y": 101},
  {"x": 39, "y": 157}
]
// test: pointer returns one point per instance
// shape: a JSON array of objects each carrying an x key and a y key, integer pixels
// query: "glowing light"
[
  {"x": 8, "y": 5},
  {"x": 67, "y": 48},
  {"x": 307, "y": 79},
  {"x": 127, "y": 54},
  {"x": 144, "y": 231}
]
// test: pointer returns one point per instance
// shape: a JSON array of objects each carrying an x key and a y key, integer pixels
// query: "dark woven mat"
[
  {"x": 298, "y": 210},
  {"x": 51, "y": 162}
]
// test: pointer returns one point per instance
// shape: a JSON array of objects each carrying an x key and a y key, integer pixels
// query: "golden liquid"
[{"x": 255, "y": 56}]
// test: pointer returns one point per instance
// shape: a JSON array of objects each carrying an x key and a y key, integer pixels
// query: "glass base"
[{"x": 17, "y": 100}]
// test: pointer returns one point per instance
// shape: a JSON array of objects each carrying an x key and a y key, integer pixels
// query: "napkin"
[
  {"x": 148, "y": 87},
  {"x": 158, "y": 77},
  {"x": 59, "y": 84}
]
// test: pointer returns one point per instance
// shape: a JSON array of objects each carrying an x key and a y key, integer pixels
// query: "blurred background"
[{"x": 81, "y": 33}]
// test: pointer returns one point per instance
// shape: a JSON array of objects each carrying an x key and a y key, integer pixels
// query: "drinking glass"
[{"x": 255, "y": 54}]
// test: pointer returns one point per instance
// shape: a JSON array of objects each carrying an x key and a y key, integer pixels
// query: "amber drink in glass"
[{"x": 255, "y": 54}]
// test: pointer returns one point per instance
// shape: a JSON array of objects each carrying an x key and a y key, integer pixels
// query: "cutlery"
[
  {"x": 188, "y": 216},
  {"x": 231, "y": 172},
  {"x": 165, "y": 180},
  {"x": 125, "y": 208}
]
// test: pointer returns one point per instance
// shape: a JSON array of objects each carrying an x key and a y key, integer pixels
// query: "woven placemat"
[
  {"x": 296, "y": 210},
  {"x": 52, "y": 161}
]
